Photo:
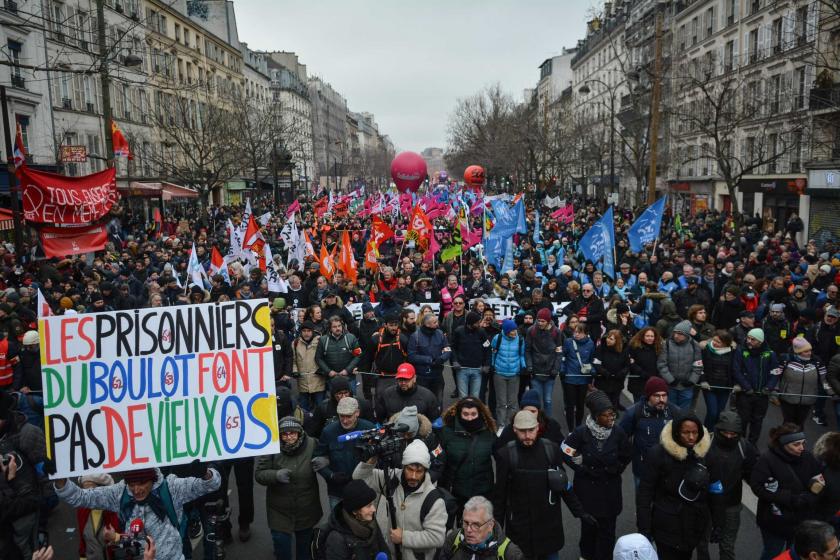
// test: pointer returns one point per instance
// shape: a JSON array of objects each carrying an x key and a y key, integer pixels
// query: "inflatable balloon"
[
  {"x": 474, "y": 176},
  {"x": 408, "y": 170}
]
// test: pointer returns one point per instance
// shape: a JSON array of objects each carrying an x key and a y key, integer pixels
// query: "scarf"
[
  {"x": 598, "y": 432},
  {"x": 292, "y": 448},
  {"x": 359, "y": 529},
  {"x": 154, "y": 501},
  {"x": 480, "y": 547}
]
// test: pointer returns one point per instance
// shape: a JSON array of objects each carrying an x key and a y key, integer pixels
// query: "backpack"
[
  {"x": 171, "y": 514},
  {"x": 500, "y": 550},
  {"x": 318, "y": 544},
  {"x": 448, "y": 500},
  {"x": 513, "y": 455}
]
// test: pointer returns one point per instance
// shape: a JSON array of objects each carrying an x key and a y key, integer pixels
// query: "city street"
[{"x": 65, "y": 538}]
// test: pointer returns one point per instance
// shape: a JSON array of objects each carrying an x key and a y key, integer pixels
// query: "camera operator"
[
  {"x": 415, "y": 535},
  {"x": 335, "y": 460},
  {"x": 148, "y": 496},
  {"x": 420, "y": 428},
  {"x": 18, "y": 501}
]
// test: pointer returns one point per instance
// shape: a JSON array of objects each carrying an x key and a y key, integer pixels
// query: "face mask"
[{"x": 473, "y": 425}]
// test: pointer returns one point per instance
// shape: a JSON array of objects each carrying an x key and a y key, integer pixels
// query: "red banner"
[
  {"x": 49, "y": 198},
  {"x": 62, "y": 242},
  {"x": 340, "y": 209}
]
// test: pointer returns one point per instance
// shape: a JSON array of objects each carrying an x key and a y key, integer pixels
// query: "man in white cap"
[{"x": 417, "y": 511}]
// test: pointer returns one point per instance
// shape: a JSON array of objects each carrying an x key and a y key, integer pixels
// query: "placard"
[{"x": 127, "y": 390}]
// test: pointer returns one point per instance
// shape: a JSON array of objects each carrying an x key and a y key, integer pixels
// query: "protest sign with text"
[{"x": 127, "y": 390}]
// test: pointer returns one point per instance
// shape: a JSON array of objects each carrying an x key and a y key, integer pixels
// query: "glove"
[
  {"x": 716, "y": 534},
  {"x": 284, "y": 476},
  {"x": 456, "y": 365},
  {"x": 589, "y": 519},
  {"x": 197, "y": 469},
  {"x": 705, "y": 386},
  {"x": 319, "y": 463},
  {"x": 577, "y": 459},
  {"x": 736, "y": 388},
  {"x": 485, "y": 370},
  {"x": 340, "y": 478},
  {"x": 49, "y": 466}
]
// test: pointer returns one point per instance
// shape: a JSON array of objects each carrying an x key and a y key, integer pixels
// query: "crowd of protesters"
[{"x": 716, "y": 308}]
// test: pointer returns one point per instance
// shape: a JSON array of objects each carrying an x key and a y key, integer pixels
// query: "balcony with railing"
[{"x": 825, "y": 98}]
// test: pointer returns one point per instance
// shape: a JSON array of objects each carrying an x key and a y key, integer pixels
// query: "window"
[
  {"x": 682, "y": 37},
  {"x": 749, "y": 150},
  {"x": 14, "y": 54},
  {"x": 93, "y": 148},
  {"x": 796, "y": 152},
  {"x": 753, "y": 38},
  {"x": 801, "y": 25},
  {"x": 755, "y": 5},
  {"x": 751, "y": 99},
  {"x": 695, "y": 31},
  {"x": 728, "y": 56},
  {"x": 23, "y": 123},
  {"x": 57, "y": 20},
  {"x": 800, "y": 89},
  {"x": 772, "y": 148},
  {"x": 775, "y": 93},
  {"x": 710, "y": 21},
  {"x": 730, "y": 11},
  {"x": 177, "y": 33},
  {"x": 776, "y": 36}
]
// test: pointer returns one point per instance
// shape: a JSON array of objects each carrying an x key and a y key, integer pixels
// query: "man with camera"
[
  {"x": 335, "y": 460},
  {"x": 416, "y": 509},
  {"x": 146, "y": 496}
]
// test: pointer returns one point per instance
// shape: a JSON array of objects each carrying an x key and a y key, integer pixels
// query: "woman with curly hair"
[
  {"x": 645, "y": 347},
  {"x": 467, "y": 439}
]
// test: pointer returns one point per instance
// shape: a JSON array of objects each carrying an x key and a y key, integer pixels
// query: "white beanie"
[
  {"x": 634, "y": 547},
  {"x": 416, "y": 453},
  {"x": 100, "y": 479}
]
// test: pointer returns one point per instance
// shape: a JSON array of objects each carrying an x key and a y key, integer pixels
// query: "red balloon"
[
  {"x": 474, "y": 176},
  {"x": 408, "y": 170}
]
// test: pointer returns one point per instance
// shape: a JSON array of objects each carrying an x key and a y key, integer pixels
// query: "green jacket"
[
  {"x": 468, "y": 472},
  {"x": 297, "y": 505},
  {"x": 338, "y": 353}
]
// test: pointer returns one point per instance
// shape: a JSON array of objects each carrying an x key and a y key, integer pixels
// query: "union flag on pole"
[
  {"x": 120, "y": 143},
  {"x": 44, "y": 309},
  {"x": 371, "y": 256},
  {"x": 218, "y": 265},
  {"x": 380, "y": 231},
  {"x": 20, "y": 152},
  {"x": 420, "y": 228},
  {"x": 252, "y": 234},
  {"x": 346, "y": 260},
  {"x": 327, "y": 263}
]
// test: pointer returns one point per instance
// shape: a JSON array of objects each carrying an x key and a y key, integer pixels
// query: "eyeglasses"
[{"x": 468, "y": 526}]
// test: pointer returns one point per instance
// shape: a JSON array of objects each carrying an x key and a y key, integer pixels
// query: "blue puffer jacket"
[
  {"x": 571, "y": 365},
  {"x": 508, "y": 356}
]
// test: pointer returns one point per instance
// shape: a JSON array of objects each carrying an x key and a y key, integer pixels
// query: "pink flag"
[
  {"x": 565, "y": 214},
  {"x": 434, "y": 247},
  {"x": 405, "y": 204},
  {"x": 469, "y": 238},
  {"x": 293, "y": 207}
]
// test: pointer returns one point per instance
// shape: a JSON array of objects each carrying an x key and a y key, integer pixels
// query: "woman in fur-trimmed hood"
[
  {"x": 671, "y": 503},
  {"x": 467, "y": 437}
]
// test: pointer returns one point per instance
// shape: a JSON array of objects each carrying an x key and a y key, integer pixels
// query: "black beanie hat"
[
  {"x": 597, "y": 402},
  {"x": 339, "y": 383},
  {"x": 356, "y": 495},
  {"x": 472, "y": 318}
]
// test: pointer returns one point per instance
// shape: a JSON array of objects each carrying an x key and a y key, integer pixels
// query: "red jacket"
[{"x": 786, "y": 555}]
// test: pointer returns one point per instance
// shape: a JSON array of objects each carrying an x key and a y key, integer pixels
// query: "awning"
[
  {"x": 7, "y": 221},
  {"x": 154, "y": 190}
]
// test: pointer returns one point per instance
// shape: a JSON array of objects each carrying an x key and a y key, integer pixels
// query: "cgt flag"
[
  {"x": 646, "y": 227},
  {"x": 346, "y": 260},
  {"x": 599, "y": 241}
]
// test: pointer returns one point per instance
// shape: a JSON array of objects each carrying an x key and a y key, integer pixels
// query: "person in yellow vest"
[
  {"x": 480, "y": 535},
  {"x": 95, "y": 524}
]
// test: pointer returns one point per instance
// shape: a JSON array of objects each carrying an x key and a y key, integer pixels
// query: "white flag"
[
  {"x": 235, "y": 249},
  {"x": 195, "y": 271},
  {"x": 275, "y": 283},
  {"x": 44, "y": 309},
  {"x": 264, "y": 218},
  {"x": 246, "y": 215}
]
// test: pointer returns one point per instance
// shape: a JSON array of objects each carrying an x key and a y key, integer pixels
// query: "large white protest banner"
[{"x": 126, "y": 390}]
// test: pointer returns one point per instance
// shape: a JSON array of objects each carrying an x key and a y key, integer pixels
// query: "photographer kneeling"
[
  {"x": 147, "y": 496},
  {"x": 418, "y": 525}
]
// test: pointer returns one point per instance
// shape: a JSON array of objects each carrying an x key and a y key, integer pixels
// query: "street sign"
[{"x": 73, "y": 154}]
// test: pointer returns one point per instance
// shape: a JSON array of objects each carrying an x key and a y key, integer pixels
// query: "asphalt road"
[{"x": 64, "y": 536}]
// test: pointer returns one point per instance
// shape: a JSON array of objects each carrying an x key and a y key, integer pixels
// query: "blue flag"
[
  {"x": 537, "y": 233},
  {"x": 508, "y": 263},
  {"x": 493, "y": 249},
  {"x": 519, "y": 212},
  {"x": 646, "y": 227},
  {"x": 599, "y": 242}
]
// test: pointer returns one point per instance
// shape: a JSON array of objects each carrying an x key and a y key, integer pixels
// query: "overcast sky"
[{"x": 408, "y": 61}]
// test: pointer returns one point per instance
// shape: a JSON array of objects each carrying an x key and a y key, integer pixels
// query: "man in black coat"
[
  {"x": 327, "y": 411},
  {"x": 405, "y": 393},
  {"x": 730, "y": 461},
  {"x": 386, "y": 352},
  {"x": 590, "y": 310},
  {"x": 366, "y": 328},
  {"x": 529, "y": 478}
]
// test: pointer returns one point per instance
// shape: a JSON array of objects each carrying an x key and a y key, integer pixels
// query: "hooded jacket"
[
  {"x": 800, "y": 380},
  {"x": 669, "y": 319},
  {"x": 304, "y": 368},
  {"x": 392, "y": 400},
  {"x": 752, "y": 368},
  {"x": 680, "y": 363},
  {"x": 663, "y": 509},
  {"x": 469, "y": 465},
  {"x": 643, "y": 424},
  {"x": 544, "y": 350},
  {"x": 508, "y": 354},
  {"x": 426, "y": 352},
  {"x": 338, "y": 353},
  {"x": 166, "y": 535}
]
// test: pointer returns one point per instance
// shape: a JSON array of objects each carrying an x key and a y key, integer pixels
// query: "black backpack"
[
  {"x": 318, "y": 544},
  {"x": 436, "y": 494}
]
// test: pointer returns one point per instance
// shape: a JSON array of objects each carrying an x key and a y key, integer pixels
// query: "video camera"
[
  {"x": 131, "y": 545},
  {"x": 385, "y": 442}
]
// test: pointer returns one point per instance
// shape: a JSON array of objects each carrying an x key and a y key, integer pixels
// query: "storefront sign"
[
  {"x": 824, "y": 179},
  {"x": 792, "y": 187}
]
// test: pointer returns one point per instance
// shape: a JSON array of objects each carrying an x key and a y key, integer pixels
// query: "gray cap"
[
  {"x": 683, "y": 327},
  {"x": 833, "y": 312},
  {"x": 779, "y": 307}
]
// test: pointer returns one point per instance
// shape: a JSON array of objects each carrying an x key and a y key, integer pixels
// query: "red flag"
[
  {"x": 380, "y": 231},
  {"x": 158, "y": 219},
  {"x": 320, "y": 206},
  {"x": 327, "y": 264},
  {"x": 293, "y": 207},
  {"x": 20, "y": 151},
  {"x": 56, "y": 199},
  {"x": 346, "y": 260},
  {"x": 217, "y": 264},
  {"x": 252, "y": 234},
  {"x": 420, "y": 228},
  {"x": 44, "y": 309},
  {"x": 65, "y": 241},
  {"x": 120, "y": 143},
  {"x": 372, "y": 256}
]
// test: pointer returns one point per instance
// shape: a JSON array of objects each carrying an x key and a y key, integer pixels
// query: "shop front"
[
  {"x": 824, "y": 217},
  {"x": 775, "y": 200},
  {"x": 689, "y": 198}
]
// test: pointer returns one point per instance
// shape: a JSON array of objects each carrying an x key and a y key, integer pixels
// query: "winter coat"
[
  {"x": 522, "y": 500},
  {"x": 753, "y": 369},
  {"x": 777, "y": 335},
  {"x": 717, "y": 366},
  {"x": 572, "y": 365},
  {"x": 343, "y": 544},
  {"x": 305, "y": 368},
  {"x": 167, "y": 537},
  {"x": 469, "y": 465},
  {"x": 446, "y": 297},
  {"x": 282, "y": 353},
  {"x": 387, "y": 352},
  {"x": 508, "y": 355},
  {"x": 366, "y": 329},
  {"x": 94, "y": 550},
  {"x": 296, "y": 505},
  {"x": 669, "y": 319},
  {"x": 611, "y": 369},
  {"x": 470, "y": 347},
  {"x": 642, "y": 367},
  {"x": 548, "y": 428},
  {"x": 592, "y": 310},
  {"x": 342, "y": 455},
  {"x": 780, "y": 481},
  {"x": 643, "y": 424},
  {"x": 597, "y": 481},
  {"x": 544, "y": 350},
  {"x": 731, "y": 464},
  {"x": 338, "y": 353},
  {"x": 614, "y": 323},
  {"x": 799, "y": 381},
  {"x": 833, "y": 375},
  {"x": 392, "y": 400},
  {"x": 337, "y": 310},
  {"x": 420, "y": 538},
  {"x": 452, "y": 322},
  {"x": 680, "y": 364},
  {"x": 726, "y": 313},
  {"x": 326, "y": 413},
  {"x": 660, "y": 510},
  {"x": 826, "y": 341},
  {"x": 451, "y": 551},
  {"x": 426, "y": 352}
]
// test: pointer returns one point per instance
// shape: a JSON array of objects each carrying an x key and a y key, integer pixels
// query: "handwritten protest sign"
[{"x": 127, "y": 390}]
